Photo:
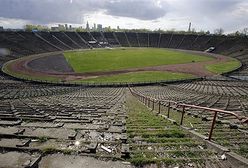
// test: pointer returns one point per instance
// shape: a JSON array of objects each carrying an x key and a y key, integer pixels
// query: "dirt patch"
[{"x": 66, "y": 74}]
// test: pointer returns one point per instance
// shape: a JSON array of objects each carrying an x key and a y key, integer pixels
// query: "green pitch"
[
  {"x": 223, "y": 67},
  {"x": 117, "y": 59},
  {"x": 146, "y": 76}
]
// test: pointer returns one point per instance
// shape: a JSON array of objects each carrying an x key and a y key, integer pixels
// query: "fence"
[
  {"x": 151, "y": 102},
  {"x": 93, "y": 84}
]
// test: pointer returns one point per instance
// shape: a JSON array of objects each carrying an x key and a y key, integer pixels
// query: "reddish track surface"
[{"x": 197, "y": 69}]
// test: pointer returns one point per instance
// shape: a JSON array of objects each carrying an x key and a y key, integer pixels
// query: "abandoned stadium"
[{"x": 198, "y": 121}]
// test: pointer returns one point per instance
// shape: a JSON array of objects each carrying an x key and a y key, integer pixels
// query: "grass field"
[
  {"x": 149, "y": 76},
  {"x": 103, "y": 60},
  {"x": 220, "y": 68},
  {"x": 116, "y": 59}
]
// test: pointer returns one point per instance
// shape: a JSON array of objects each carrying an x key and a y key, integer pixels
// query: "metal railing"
[
  {"x": 95, "y": 84},
  {"x": 151, "y": 102}
]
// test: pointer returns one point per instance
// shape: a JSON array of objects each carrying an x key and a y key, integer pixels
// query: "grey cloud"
[
  {"x": 204, "y": 14},
  {"x": 201, "y": 8},
  {"x": 46, "y": 11},
  {"x": 50, "y": 11},
  {"x": 139, "y": 9},
  {"x": 207, "y": 7},
  {"x": 209, "y": 14}
]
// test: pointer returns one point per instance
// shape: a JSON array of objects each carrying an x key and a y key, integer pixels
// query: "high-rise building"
[
  {"x": 1, "y": 28},
  {"x": 99, "y": 27},
  {"x": 87, "y": 26},
  {"x": 94, "y": 27},
  {"x": 61, "y": 27}
]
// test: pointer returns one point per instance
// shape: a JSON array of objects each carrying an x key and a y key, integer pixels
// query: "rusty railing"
[{"x": 150, "y": 102}]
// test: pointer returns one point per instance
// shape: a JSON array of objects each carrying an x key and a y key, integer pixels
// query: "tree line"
[{"x": 219, "y": 31}]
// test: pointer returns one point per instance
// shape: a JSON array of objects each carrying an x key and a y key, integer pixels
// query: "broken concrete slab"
[{"x": 65, "y": 161}]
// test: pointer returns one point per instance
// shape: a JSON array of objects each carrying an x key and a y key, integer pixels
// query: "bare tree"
[{"x": 244, "y": 31}]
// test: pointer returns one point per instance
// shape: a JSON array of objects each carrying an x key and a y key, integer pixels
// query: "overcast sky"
[{"x": 231, "y": 15}]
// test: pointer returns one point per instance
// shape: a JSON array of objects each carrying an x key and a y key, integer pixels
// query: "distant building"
[
  {"x": 94, "y": 28},
  {"x": 66, "y": 27},
  {"x": 87, "y": 26},
  {"x": 55, "y": 28},
  {"x": 99, "y": 27},
  {"x": 118, "y": 27},
  {"x": 1, "y": 28},
  {"x": 59, "y": 28}
]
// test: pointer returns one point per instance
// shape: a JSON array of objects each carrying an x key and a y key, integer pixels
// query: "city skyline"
[{"x": 231, "y": 15}]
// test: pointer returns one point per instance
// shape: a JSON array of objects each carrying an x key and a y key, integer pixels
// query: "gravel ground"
[{"x": 54, "y": 63}]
